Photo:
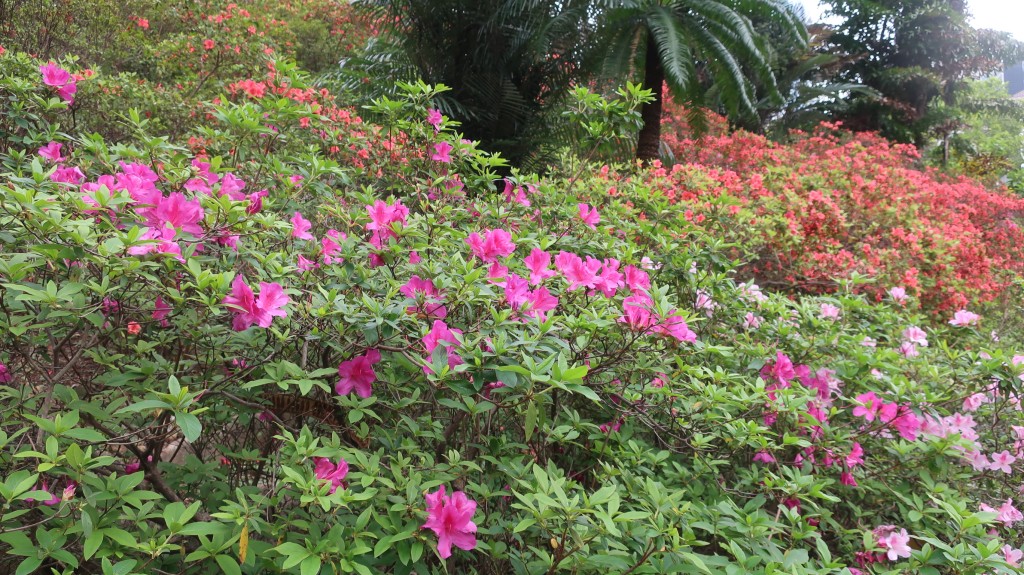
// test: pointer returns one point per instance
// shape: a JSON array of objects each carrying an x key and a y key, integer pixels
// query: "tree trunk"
[{"x": 648, "y": 142}]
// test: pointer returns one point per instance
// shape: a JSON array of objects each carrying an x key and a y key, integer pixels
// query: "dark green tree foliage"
[
  {"x": 707, "y": 52},
  {"x": 504, "y": 60},
  {"x": 914, "y": 53}
]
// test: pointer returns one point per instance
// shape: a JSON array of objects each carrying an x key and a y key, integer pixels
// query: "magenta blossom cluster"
[
  {"x": 250, "y": 309},
  {"x": 57, "y": 77},
  {"x": 451, "y": 519},
  {"x": 334, "y": 473}
]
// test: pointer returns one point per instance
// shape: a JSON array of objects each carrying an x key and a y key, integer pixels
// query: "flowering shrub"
[
  {"x": 832, "y": 205},
  {"x": 294, "y": 342}
]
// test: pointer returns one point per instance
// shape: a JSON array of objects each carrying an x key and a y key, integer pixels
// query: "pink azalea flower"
[
  {"x": 414, "y": 258},
  {"x": 636, "y": 311},
  {"x": 964, "y": 318},
  {"x": 977, "y": 459},
  {"x": 868, "y": 342},
  {"x": 609, "y": 280},
  {"x": 451, "y": 519},
  {"x": 164, "y": 243},
  {"x": 780, "y": 371},
  {"x": 751, "y": 321},
  {"x": 537, "y": 262},
  {"x": 250, "y": 309},
  {"x": 357, "y": 373},
  {"x": 231, "y": 186},
  {"x": 516, "y": 194},
  {"x": 906, "y": 422},
  {"x": 176, "y": 211},
  {"x": 868, "y": 407},
  {"x": 497, "y": 272},
  {"x": 305, "y": 264},
  {"x": 898, "y": 294},
  {"x": 764, "y": 456},
  {"x": 332, "y": 472},
  {"x": 915, "y": 335},
  {"x": 829, "y": 311},
  {"x": 896, "y": 545},
  {"x": 973, "y": 402},
  {"x": 705, "y": 302},
  {"x": 846, "y": 478},
  {"x": 908, "y": 349},
  {"x": 637, "y": 279},
  {"x": 493, "y": 245},
  {"x": 300, "y": 227},
  {"x": 67, "y": 92},
  {"x": 442, "y": 153},
  {"x": 161, "y": 310},
  {"x": 67, "y": 175},
  {"x": 54, "y": 75},
  {"x": 856, "y": 456},
  {"x": 1002, "y": 461},
  {"x": 418, "y": 288},
  {"x": 675, "y": 326},
  {"x": 439, "y": 334},
  {"x": 5, "y": 374},
  {"x": 329, "y": 246},
  {"x": 434, "y": 118},
  {"x": 516, "y": 289},
  {"x": 539, "y": 302},
  {"x": 382, "y": 218},
  {"x": 578, "y": 272},
  {"x": 51, "y": 152},
  {"x": 589, "y": 215},
  {"x": 1012, "y": 556},
  {"x": 255, "y": 202}
]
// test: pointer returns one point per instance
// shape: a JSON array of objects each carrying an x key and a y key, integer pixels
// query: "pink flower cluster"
[
  {"x": 358, "y": 374},
  {"x": 334, "y": 473},
  {"x": 57, "y": 77},
  {"x": 250, "y": 309},
  {"x": 383, "y": 217},
  {"x": 451, "y": 519}
]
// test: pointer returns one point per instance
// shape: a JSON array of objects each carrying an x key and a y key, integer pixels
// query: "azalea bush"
[
  {"x": 831, "y": 204},
  {"x": 291, "y": 341}
]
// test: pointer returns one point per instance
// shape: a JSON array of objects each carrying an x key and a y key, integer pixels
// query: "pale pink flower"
[
  {"x": 300, "y": 227},
  {"x": 329, "y": 246},
  {"x": 915, "y": 335},
  {"x": 259, "y": 310},
  {"x": 305, "y": 264},
  {"x": 829, "y": 311},
  {"x": 1012, "y": 556},
  {"x": 898, "y": 294},
  {"x": 868, "y": 342},
  {"x": 451, "y": 519},
  {"x": 752, "y": 321},
  {"x": 589, "y": 215},
  {"x": 908, "y": 349},
  {"x": 964, "y": 318},
  {"x": 1002, "y": 461},
  {"x": 896, "y": 545},
  {"x": 973, "y": 402}
]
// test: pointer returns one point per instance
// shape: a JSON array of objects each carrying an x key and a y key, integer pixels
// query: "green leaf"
[
  {"x": 228, "y": 564},
  {"x": 190, "y": 426}
]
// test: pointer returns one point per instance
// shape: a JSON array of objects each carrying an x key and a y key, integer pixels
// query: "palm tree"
[
  {"x": 504, "y": 60},
  {"x": 699, "y": 48}
]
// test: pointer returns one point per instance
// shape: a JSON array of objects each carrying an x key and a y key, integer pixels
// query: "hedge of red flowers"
[{"x": 831, "y": 204}]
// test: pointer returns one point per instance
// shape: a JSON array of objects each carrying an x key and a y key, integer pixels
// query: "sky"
[{"x": 1005, "y": 15}]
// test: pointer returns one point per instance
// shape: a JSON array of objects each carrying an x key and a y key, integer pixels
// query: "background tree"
[
  {"x": 915, "y": 53},
  {"x": 504, "y": 60}
]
